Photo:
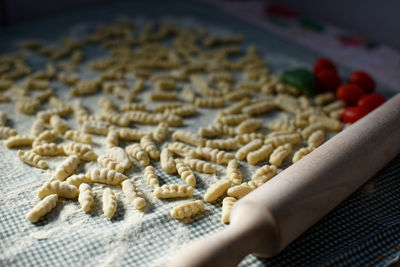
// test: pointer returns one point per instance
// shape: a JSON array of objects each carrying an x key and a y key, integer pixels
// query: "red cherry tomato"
[
  {"x": 371, "y": 101},
  {"x": 353, "y": 114},
  {"x": 323, "y": 64},
  {"x": 363, "y": 80},
  {"x": 327, "y": 80},
  {"x": 349, "y": 94}
]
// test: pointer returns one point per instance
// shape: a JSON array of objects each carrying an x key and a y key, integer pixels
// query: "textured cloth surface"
[{"x": 363, "y": 231}]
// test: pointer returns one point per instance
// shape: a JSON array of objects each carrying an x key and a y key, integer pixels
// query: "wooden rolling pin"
[{"x": 265, "y": 221}]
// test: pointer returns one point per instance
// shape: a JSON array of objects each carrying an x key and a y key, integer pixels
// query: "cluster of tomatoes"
[{"x": 357, "y": 94}]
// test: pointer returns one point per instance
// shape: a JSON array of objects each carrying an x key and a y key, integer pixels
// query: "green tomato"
[{"x": 301, "y": 79}]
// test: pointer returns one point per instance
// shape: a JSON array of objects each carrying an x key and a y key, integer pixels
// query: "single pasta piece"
[
  {"x": 6, "y": 132},
  {"x": 291, "y": 138},
  {"x": 128, "y": 134},
  {"x": 235, "y": 108},
  {"x": 259, "y": 108},
  {"x": 62, "y": 189},
  {"x": 246, "y": 138},
  {"x": 225, "y": 144},
  {"x": 141, "y": 117},
  {"x": 136, "y": 152},
  {"x": 109, "y": 203},
  {"x": 217, "y": 190},
  {"x": 329, "y": 123},
  {"x": 200, "y": 165},
  {"x": 260, "y": 154},
  {"x": 279, "y": 154},
  {"x": 288, "y": 107},
  {"x": 306, "y": 132},
  {"x": 163, "y": 96},
  {"x": 109, "y": 163},
  {"x": 67, "y": 167},
  {"x": 203, "y": 87},
  {"x": 85, "y": 197},
  {"x": 48, "y": 136},
  {"x": 161, "y": 132},
  {"x": 249, "y": 126},
  {"x": 263, "y": 174},
  {"x": 96, "y": 127},
  {"x": 278, "y": 133},
  {"x": 323, "y": 99},
  {"x": 285, "y": 124},
  {"x": 148, "y": 145},
  {"x": 333, "y": 106},
  {"x": 188, "y": 94},
  {"x": 184, "y": 111},
  {"x": 84, "y": 152},
  {"x": 119, "y": 155},
  {"x": 132, "y": 106},
  {"x": 214, "y": 155},
  {"x": 18, "y": 141},
  {"x": 112, "y": 138},
  {"x": 27, "y": 105},
  {"x": 167, "y": 161},
  {"x": 106, "y": 176},
  {"x": 173, "y": 191},
  {"x": 106, "y": 104},
  {"x": 78, "y": 136},
  {"x": 32, "y": 159},
  {"x": 316, "y": 139},
  {"x": 78, "y": 179},
  {"x": 171, "y": 119},
  {"x": 58, "y": 124},
  {"x": 151, "y": 177},
  {"x": 237, "y": 95},
  {"x": 209, "y": 102},
  {"x": 248, "y": 86},
  {"x": 187, "y": 210},
  {"x": 215, "y": 130},
  {"x": 241, "y": 154},
  {"x": 50, "y": 149},
  {"x": 163, "y": 107},
  {"x": 38, "y": 126},
  {"x": 304, "y": 102},
  {"x": 182, "y": 150},
  {"x": 227, "y": 205},
  {"x": 185, "y": 172},
  {"x": 301, "y": 153},
  {"x": 83, "y": 88},
  {"x": 133, "y": 194},
  {"x": 114, "y": 117},
  {"x": 42, "y": 208},
  {"x": 188, "y": 137},
  {"x": 287, "y": 103},
  {"x": 233, "y": 173},
  {"x": 231, "y": 120},
  {"x": 241, "y": 190}
]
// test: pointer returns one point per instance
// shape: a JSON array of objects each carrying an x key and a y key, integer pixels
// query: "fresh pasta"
[{"x": 187, "y": 210}]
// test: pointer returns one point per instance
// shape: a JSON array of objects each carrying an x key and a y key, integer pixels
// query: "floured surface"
[{"x": 68, "y": 236}]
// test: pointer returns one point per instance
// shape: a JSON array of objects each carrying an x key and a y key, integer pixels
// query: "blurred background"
[
  {"x": 356, "y": 34},
  {"x": 378, "y": 21}
]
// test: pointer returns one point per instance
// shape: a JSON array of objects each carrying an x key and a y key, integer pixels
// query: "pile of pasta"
[{"x": 186, "y": 69}]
